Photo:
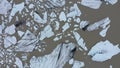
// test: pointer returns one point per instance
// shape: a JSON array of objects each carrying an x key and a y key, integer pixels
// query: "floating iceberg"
[
  {"x": 103, "y": 51},
  {"x": 57, "y": 59}
]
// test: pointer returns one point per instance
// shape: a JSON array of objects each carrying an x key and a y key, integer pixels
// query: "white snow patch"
[
  {"x": 65, "y": 27},
  {"x": 10, "y": 29},
  {"x": 94, "y": 4},
  {"x": 103, "y": 51},
  {"x": 62, "y": 16},
  {"x": 80, "y": 40}
]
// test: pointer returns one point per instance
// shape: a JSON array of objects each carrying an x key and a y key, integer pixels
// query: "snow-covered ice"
[
  {"x": 112, "y": 1},
  {"x": 78, "y": 64},
  {"x": 103, "y": 50},
  {"x": 10, "y": 29},
  {"x": 20, "y": 33},
  {"x": 18, "y": 62},
  {"x": 65, "y": 27},
  {"x": 104, "y": 31},
  {"x": 62, "y": 16}
]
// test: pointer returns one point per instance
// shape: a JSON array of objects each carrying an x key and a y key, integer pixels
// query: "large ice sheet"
[
  {"x": 57, "y": 59},
  {"x": 103, "y": 51}
]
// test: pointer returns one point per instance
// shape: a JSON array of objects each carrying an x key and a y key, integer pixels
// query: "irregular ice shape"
[
  {"x": 15, "y": 9},
  {"x": 103, "y": 51},
  {"x": 112, "y": 1},
  {"x": 83, "y": 24},
  {"x": 102, "y": 23},
  {"x": 20, "y": 33},
  {"x": 9, "y": 40},
  {"x": 38, "y": 19},
  {"x": 27, "y": 43},
  {"x": 57, "y": 59},
  {"x": 80, "y": 40},
  {"x": 104, "y": 31},
  {"x": 5, "y": 6},
  {"x": 57, "y": 26},
  {"x": 31, "y": 6},
  {"x": 62, "y": 16},
  {"x": 46, "y": 33},
  {"x": 10, "y": 29},
  {"x": 94, "y": 4},
  {"x": 18, "y": 62},
  {"x": 1, "y": 29},
  {"x": 78, "y": 64},
  {"x": 65, "y": 27},
  {"x": 53, "y": 14},
  {"x": 74, "y": 11}
]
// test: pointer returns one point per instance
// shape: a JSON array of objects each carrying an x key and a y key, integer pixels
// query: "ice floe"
[
  {"x": 10, "y": 29},
  {"x": 74, "y": 11},
  {"x": 112, "y": 1},
  {"x": 9, "y": 40},
  {"x": 65, "y": 27},
  {"x": 5, "y": 6},
  {"x": 80, "y": 40},
  {"x": 104, "y": 31},
  {"x": 46, "y": 33},
  {"x": 78, "y": 64},
  {"x": 62, "y": 16},
  {"x": 20, "y": 33},
  {"x": 103, "y": 50},
  {"x": 57, "y": 59},
  {"x": 18, "y": 62},
  {"x": 94, "y": 4}
]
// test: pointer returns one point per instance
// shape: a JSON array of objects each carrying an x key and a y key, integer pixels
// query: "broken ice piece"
[
  {"x": 111, "y": 1},
  {"x": 5, "y": 6},
  {"x": 84, "y": 25},
  {"x": 65, "y": 27},
  {"x": 74, "y": 11},
  {"x": 104, "y": 31},
  {"x": 78, "y": 64},
  {"x": 80, "y": 40},
  {"x": 62, "y": 16},
  {"x": 94, "y": 4},
  {"x": 10, "y": 29},
  {"x": 18, "y": 62},
  {"x": 9, "y": 40},
  {"x": 57, "y": 59},
  {"x": 20, "y": 33},
  {"x": 103, "y": 51}
]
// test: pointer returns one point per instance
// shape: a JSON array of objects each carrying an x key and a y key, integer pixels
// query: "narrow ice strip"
[
  {"x": 57, "y": 26},
  {"x": 38, "y": 19},
  {"x": 103, "y": 50},
  {"x": 62, "y": 16},
  {"x": 74, "y": 11},
  {"x": 65, "y": 27},
  {"x": 83, "y": 24},
  {"x": 10, "y": 29},
  {"x": 104, "y": 31},
  {"x": 57, "y": 59},
  {"x": 9, "y": 40},
  {"x": 16, "y": 8},
  {"x": 5, "y": 6},
  {"x": 46, "y": 33},
  {"x": 112, "y": 1},
  {"x": 80, "y": 41},
  {"x": 18, "y": 62},
  {"x": 94, "y": 4}
]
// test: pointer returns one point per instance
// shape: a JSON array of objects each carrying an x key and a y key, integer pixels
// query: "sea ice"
[
  {"x": 104, "y": 31},
  {"x": 112, "y": 1},
  {"x": 10, "y": 29},
  {"x": 18, "y": 62},
  {"x": 20, "y": 33},
  {"x": 62, "y": 16},
  {"x": 78, "y": 64},
  {"x": 103, "y": 51},
  {"x": 65, "y": 27}
]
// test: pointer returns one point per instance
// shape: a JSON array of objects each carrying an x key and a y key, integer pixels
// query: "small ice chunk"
[
  {"x": 65, "y": 27},
  {"x": 103, "y": 51},
  {"x": 94, "y": 4},
  {"x": 104, "y": 31},
  {"x": 20, "y": 33},
  {"x": 5, "y": 6},
  {"x": 9, "y": 40},
  {"x": 78, "y": 64},
  {"x": 80, "y": 40},
  {"x": 31, "y": 6},
  {"x": 10, "y": 29},
  {"x": 62, "y": 16},
  {"x": 77, "y": 20},
  {"x": 71, "y": 61},
  {"x": 83, "y": 24},
  {"x": 110, "y": 66},
  {"x": 1, "y": 29},
  {"x": 16, "y": 8},
  {"x": 46, "y": 33},
  {"x": 74, "y": 11},
  {"x": 112, "y": 1},
  {"x": 18, "y": 62},
  {"x": 38, "y": 19},
  {"x": 53, "y": 14},
  {"x": 57, "y": 26}
]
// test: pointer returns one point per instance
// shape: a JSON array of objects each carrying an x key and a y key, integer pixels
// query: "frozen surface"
[
  {"x": 20, "y": 33},
  {"x": 57, "y": 59},
  {"x": 18, "y": 62},
  {"x": 104, "y": 31},
  {"x": 94, "y": 4},
  {"x": 83, "y": 24},
  {"x": 62, "y": 16},
  {"x": 65, "y": 27},
  {"x": 10, "y": 29},
  {"x": 5, "y": 6},
  {"x": 80, "y": 41},
  {"x": 112, "y": 1},
  {"x": 78, "y": 64},
  {"x": 103, "y": 50},
  {"x": 46, "y": 33}
]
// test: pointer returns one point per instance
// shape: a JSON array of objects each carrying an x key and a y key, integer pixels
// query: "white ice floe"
[
  {"x": 104, "y": 31},
  {"x": 112, "y": 1},
  {"x": 78, "y": 64},
  {"x": 83, "y": 24},
  {"x": 80, "y": 40},
  {"x": 20, "y": 33},
  {"x": 94, "y": 4},
  {"x": 77, "y": 20},
  {"x": 27, "y": 42},
  {"x": 16, "y": 8},
  {"x": 74, "y": 11},
  {"x": 38, "y": 19},
  {"x": 53, "y": 14},
  {"x": 31, "y": 6},
  {"x": 65, "y": 27},
  {"x": 5, "y": 6},
  {"x": 46, "y": 33},
  {"x": 62, "y": 16},
  {"x": 57, "y": 59},
  {"x": 57, "y": 26},
  {"x": 10, "y": 29},
  {"x": 18, "y": 62},
  {"x": 9, "y": 40},
  {"x": 103, "y": 51},
  {"x": 1, "y": 29}
]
